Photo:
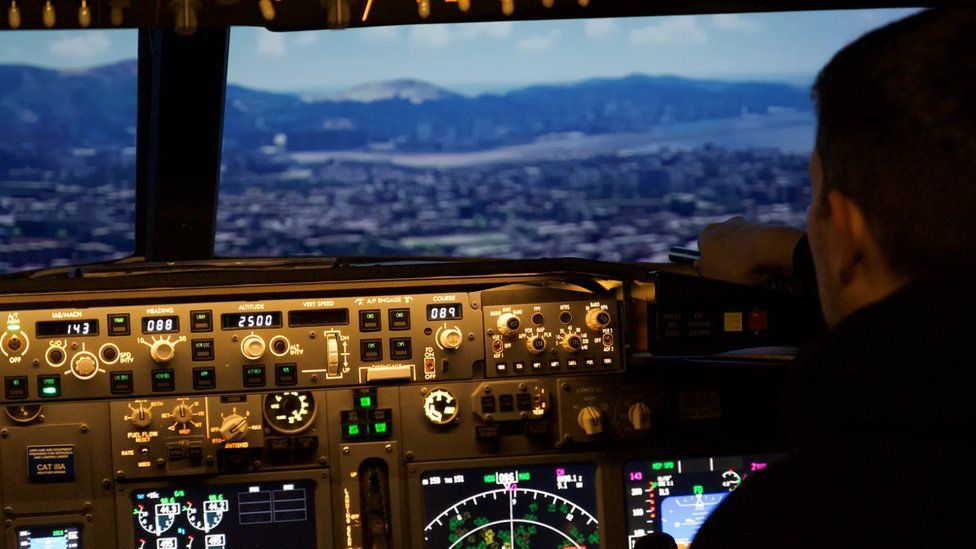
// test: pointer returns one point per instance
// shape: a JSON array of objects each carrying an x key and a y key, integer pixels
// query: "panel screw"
[
  {"x": 88, "y": 517},
  {"x": 423, "y": 390},
  {"x": 388, "y": 448},
  {"x": 315, "y": 378},
  {"x": 84, "y": 428},
  {"x": 323, "y": 460},
  {"x": 4, "y": 433},
  {"x": 106, "y": 482},
  {"x": 210, "y": 461},
  {"x": 74, "y": 345},
  {"x": 409, "y": 456},
  {"x": 160, "y": 462},
  {"x": 88, "y": 505},
  {"x": 565, "y": 386},
  {"x": 36, "y": 362},
  {"x": 120, "y": 474},
  {"x": 345, "y": 450},
  {"x": 256, "y": 464},
  {"x": 474, "y": 304},
  {"x": 523, "y": 415},
  {"x": 233, "y": 338},
  {"x": 470, "y": 336},
  {"x": 8, "y": 510},
  {"x": 521, "y": 387},
  {"x": 311, "y": 335}
]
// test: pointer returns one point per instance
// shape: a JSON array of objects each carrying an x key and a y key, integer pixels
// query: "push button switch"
[{"x": 15, "y": 386}]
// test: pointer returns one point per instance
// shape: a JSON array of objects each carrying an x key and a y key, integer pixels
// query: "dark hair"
[{"x": 897, "y": 135}]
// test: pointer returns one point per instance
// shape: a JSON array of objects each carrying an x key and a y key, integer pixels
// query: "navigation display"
[
  {"x": 49, "y": 537},
  {"x": 233, "y": 516},
  {"x": 676, "y": 496},
  {"x": 536, "y": 506}
]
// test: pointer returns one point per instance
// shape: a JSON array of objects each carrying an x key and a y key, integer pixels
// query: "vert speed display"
[{"x": 551, "y": 506}]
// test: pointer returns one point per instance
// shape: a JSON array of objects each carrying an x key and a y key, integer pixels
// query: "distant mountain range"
[{"x": 42, "y": 108}]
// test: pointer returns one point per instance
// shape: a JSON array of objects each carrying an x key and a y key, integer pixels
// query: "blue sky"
[{"x": 493, "y": 56}]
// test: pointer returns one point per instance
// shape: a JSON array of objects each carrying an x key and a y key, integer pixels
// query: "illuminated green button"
[
  {"x": 365, "y": 401},
  {"x": 352, "y": 430},
  {"x": 49, "y": 386},
  {"x": 380, "y": 428}
]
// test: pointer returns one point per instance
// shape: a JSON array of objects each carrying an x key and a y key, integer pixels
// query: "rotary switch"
[
  {"x": 141, "y": 417},
  {"x": 440, "y": 407},
  {"x": 639, "y": 416},
  {"x": 571, "y": 342},
  {"x": 162, "y": 350},
  {"x": 234, "y": 427},
  {"x": 508, "y": 324},
  {"x": 84, "y": 365},
  {"x": 590, "y": 419},
  {"x": 253, "y": 347}
]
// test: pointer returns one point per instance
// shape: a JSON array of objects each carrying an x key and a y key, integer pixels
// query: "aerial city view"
[{"x": 602, "y": 139}]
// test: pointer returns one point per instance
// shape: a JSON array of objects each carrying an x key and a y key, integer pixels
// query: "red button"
[{"x": 757, "y": 320}]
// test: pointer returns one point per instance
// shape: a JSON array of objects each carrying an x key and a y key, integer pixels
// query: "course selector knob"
[
  {"x": 639, "y": 416},
  {"x": 162, "y": 350},
  {"x": 590, "y": 419},
  {"x": 450, "y": 338},
  {"x": 253, "y": 347},
  {"x": 233, "y": 428}
]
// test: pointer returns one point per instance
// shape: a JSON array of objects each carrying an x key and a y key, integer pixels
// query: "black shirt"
[{"x": 882, "y": 413}]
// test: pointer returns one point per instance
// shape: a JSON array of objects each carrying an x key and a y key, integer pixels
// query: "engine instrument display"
[
  {"x": 254, "y": 516},
  {"x": 532, "y": 506},
  {"x": 60, "y": 536},
  {"x": 677, "y": 496}
]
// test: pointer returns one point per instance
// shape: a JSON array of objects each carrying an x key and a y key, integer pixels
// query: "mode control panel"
[
  {"x": 552, "y": 338},
  {"x": 153, "y": 351}
]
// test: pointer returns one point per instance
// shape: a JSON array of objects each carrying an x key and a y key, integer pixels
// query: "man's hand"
[{"x": 745, "y": 252}]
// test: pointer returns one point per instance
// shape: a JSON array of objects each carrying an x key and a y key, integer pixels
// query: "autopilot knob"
[
  {"x": 639, "y": 416},
  {"x": 84, "y": 365},
  {"x": 234, "y": 427},
  {"x": 590, "y": 419},
  {"x": 253, "y": 347},
  {"x": 162, "y": 350},
  {"x": 141, "y": 418},
  {"x": 508, "y": 324},
  {"x": 450, "y": 338},
  {"x": 597, "y": 319}
]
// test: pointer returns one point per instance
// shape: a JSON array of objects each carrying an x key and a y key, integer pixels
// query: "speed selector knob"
[
  {"x": 233, "y": 428},
  {"x": 590, "y": 419},
  {"x": 84, "y": 365},
  {"x": 450, "y": 338},
  {"x": 253, "y": 347},
  {"x": 639, "y": 416},
  {"x": 571, "y": 342},
  {"x": 597, "y": 319},
  {"x": 508, "y": 324},
  {"x": 162, "y": 350}
]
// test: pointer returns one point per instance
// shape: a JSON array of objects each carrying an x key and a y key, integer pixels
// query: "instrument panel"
[{"x": 480, "y": 411}]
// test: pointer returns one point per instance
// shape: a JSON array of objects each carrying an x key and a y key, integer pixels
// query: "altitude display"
[
  {"x": 252, "y": 516},
  {"x": 49, "y": 537},
  {"x": 548, "y": 506},
  {"x": 250, "y": 321},
  {"x": 55, "y": 328},
  {"x": 676, "y": 496}
]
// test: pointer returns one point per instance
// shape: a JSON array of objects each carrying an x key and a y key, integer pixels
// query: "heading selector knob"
[
  {"x": 252, "y": 346},
  {"x": 590, "y": 419},
  {"x": 234, "y": 427},
  {"x": 597, "y": 319},
  {"x": 162, "y": 350},
  {"x": 508, "y": 324}
]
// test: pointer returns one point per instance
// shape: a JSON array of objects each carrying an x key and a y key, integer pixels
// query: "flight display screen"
[
  {"x": 531, "y": 506},
  {"x": 268, "y": 515},
  {"x": 59, "y": 536},
  {"x": 676, "y": 496}
]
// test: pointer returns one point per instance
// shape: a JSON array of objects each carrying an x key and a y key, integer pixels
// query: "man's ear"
[{"x": 851, "y": 240}]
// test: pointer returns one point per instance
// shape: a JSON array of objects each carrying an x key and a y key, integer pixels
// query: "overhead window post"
[{"x": 182, "y": 81}]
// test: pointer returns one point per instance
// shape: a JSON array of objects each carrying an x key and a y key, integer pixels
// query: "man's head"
[{"x": 894, "y": 172}]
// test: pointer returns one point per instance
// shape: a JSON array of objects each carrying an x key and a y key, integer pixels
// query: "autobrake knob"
[
  {"x": 234, "y": 427},
  {"x": 639, "y": 416}
]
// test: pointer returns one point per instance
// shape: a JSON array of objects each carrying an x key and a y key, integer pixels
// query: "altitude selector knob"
[
  {"x": 162, "y": 350},
  {"x": 233, "y": 428},
  {"x": 590, "y": 419},
  {"x": 253, "y": 347}
]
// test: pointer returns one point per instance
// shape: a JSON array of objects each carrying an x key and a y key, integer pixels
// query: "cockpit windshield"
[
  {"x": 67, "y": 147},
  {"x": 608, "y": 139}
]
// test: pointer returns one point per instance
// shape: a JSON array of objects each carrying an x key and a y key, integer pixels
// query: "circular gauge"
[
  {"x": 440, "y": 407},
  {"x": 731, "y": 480},
  {"x": 23, "y": 413},
  {"x": 290, "y": 412}
]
